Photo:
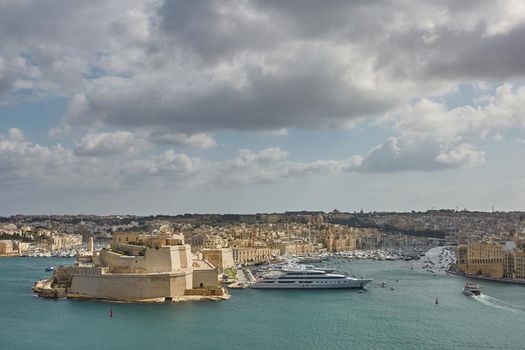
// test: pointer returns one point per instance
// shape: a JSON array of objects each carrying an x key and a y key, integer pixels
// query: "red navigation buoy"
[{"x": 110, "y": 312}]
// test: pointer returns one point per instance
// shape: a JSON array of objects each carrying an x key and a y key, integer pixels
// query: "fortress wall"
[
  {"x": 158, "y": 260},
  {"x": 208, "y": 278},
  {"x": 180, "y": 284},
  {"x": 168, "y": 258},
  {"x": 122, "y": 264},
  {"x": 184, "y": 256},
  {"x": 163, "y": 259},
  {"x": 129, "y": 287}
]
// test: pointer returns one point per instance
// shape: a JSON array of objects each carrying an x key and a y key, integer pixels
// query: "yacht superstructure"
[{"x": 303, "y": 278}]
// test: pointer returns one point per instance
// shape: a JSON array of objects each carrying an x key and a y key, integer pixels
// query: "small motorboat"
[
  {"x": 50, "y": 268},
  {"x": 237, "y": 285},
  {"x": 471, "y": 289}
]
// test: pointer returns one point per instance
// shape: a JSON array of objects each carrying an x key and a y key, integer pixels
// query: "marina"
[{"x": 406, "y": 317}]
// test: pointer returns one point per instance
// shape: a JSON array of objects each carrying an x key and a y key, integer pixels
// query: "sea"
[{"x": 377, "y": 318}]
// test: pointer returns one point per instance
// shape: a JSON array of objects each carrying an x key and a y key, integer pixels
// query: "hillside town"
[{"x": 488, "y": 244}]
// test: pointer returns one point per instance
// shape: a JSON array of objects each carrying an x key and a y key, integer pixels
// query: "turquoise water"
[{"x": 378, "y": 318}]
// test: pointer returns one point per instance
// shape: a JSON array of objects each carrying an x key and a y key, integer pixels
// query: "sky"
[{"x": 242, "y": 106}]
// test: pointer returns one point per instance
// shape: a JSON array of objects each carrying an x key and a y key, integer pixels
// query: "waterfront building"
[
  {"x": 6, "y": 247},
  {"x": 244, "y": 255},
  {"x": 509, "y": 264},
  {"x": 482, "y": 258},
  {"x": 295, "y": 248},
  {"x": 340, "y": 241},
  {"x": 220, "y": 257},
  {"x": 197, "y": 240},
  {"x": 519, "y": 264},
  {"x": 214, "y": 242},
  {"x": 62, "y": 241}
]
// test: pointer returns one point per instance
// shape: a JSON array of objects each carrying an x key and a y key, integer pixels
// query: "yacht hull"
[{"x": 344, "y": 284}]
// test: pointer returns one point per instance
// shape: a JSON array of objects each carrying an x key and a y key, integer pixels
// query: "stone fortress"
[{"x": 138, "y": 268}]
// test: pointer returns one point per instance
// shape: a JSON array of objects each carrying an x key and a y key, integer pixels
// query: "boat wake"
[{"x": 498, "y": 304}]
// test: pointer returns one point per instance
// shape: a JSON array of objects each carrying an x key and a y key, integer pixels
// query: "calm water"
[{"x": 405, "y": 318}]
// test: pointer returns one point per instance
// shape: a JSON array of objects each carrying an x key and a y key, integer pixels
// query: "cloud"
[
  {"x": 24, "y": 162},
  {"x": 244, "y": 95},
  {"x": 152, "y": 74},
  {"x": 21, "y": 160},
  {"x": 310, "y": 67},
  {"x": 277, "y": 132},
  {"x": 192, "y": 67},
  {"x": 109, "y": 143},
  {"x": 83, "y": 168},
  {"x": 433, "y": 137},
  {"x": 63, "y": 41},
  {"x": 429, "y": 118},
  {"x": 406, "y": 154},
  {"x": 198, "y": 140},
  {"x": 499, "y": 137},
  {"x": 128, "y": 143},
  {"x": 462, "y": 155},
  {"x": 34, "y": 166},
  {"x": 125, "y": 165}
]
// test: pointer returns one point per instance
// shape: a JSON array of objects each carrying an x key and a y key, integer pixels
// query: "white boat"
[
  {"x": 237, "y": 285},
  {"x": 300, "y": 278},
  {"x": 471, "y": 289},
  {"x": 308, "y": 259}
]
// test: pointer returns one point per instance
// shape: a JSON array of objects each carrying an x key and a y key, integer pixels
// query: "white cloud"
[
  {"x": 433, "y": 137},
  {"x": 194, "y": 67},
  {"x": 156, "y": 73},
  {"x": 501, "y": 111},
  {"x": 109, "y": 143},
  {"x": 505, "y": 17},
  {"x": 417, "y": 154},
  {"x": 277, "y": 132},
  {"x": 197, "y": 140},
  {"x": 499, "y": 137},
  {"x": 130, "y": 143},
  {"x": 463, "y": 155},
  {"x": 22, "y": 161},
  {"x": 28, "y": 163}
]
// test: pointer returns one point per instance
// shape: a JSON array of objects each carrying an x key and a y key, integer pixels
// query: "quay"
[{"x": 451, "y": 270}]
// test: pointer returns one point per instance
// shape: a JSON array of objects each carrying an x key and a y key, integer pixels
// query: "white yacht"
[{"x": 301, "y": 278}]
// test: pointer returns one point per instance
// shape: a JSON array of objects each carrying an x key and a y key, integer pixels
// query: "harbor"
[
  {"x": 327, "y": 263},
  {"x": 406, "y": 317}
]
